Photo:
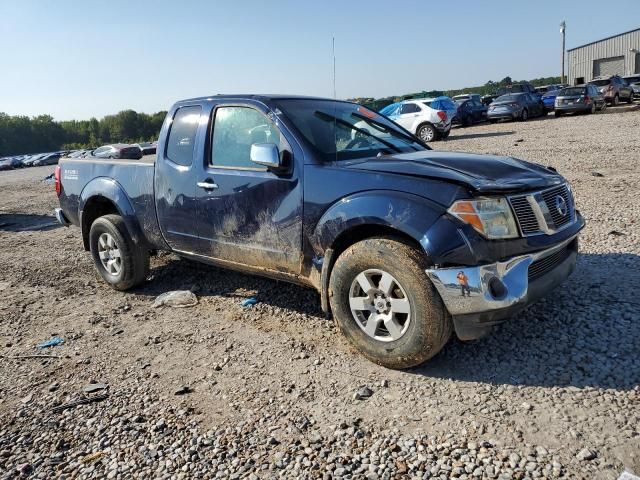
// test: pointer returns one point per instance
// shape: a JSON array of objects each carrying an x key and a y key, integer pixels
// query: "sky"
[{"x": 80, "y": 59}]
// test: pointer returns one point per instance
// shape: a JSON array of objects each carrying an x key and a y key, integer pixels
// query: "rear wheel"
[
  {"x": 427, "y": 132},
  {"x": 630, "y": 99},
  {"x": 116, "y": 257},
  {"x": 603, "y": 107},
  {"x": 557, "y": 114},
  {"x": 616, "y": 100},
  {"x": 385, "y": 304},
  {"x": 593, "y": 108}
]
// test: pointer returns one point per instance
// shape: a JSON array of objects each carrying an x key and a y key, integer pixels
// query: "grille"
[
  {"x": 549, "y": 197},
  {"x": 546, "y": 264},
  {"x": 524, "y": 214}
]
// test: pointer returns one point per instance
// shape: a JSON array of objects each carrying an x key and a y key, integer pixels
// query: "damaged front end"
[{"x": 479, "y": 297}]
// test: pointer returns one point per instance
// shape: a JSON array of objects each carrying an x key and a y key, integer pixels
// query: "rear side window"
[
  {"x": 182, "y": 135},
  {"x": 409, "y": 108},
  {"x": 235, "y": 129}
]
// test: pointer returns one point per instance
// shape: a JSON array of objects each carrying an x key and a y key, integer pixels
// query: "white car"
[{"x": 428, "y": 119}]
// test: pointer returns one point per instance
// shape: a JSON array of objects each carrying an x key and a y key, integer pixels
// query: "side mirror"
[{"x": 266, "y": 154}]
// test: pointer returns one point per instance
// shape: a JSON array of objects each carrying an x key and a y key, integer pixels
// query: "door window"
[
  {"x": 182, "y": 135},
  {"x": 235, "y": 129},
  {"x": 409, "y": 108}
]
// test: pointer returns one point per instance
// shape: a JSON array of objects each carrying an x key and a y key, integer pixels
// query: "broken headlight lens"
[{"x": 491, "y": 217}]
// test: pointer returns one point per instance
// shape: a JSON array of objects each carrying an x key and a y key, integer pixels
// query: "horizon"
[{"x": 75, "y": 62}]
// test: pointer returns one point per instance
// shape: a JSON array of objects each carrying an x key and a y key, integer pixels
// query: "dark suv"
[{"x": 614, "y": 89}]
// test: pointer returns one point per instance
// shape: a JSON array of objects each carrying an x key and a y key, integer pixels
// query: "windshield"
[
  {"x": 507, "y": 98},
  {"x": 346, "y": 131},
  {"x": 600, "y": 83},
  {"x": 567, "y": 92}
]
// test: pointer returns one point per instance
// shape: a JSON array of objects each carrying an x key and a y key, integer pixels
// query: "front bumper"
[{"x": 497, "y": 291}]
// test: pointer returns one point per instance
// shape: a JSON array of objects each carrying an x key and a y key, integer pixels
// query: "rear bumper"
[
  {"x": 497, "y": 291},
  {"x": 504, "y": 115},
  {"x": 573, "y": 108},
  {"x": 443, "y": 127},
  {"x": 60, "y": 216}
]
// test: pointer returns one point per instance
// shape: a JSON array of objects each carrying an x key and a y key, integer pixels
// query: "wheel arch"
[
  {"x": 103, "y": 196},
  {"x": 390, "y": 214}
]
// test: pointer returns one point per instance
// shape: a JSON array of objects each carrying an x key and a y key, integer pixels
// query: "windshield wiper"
[
  {"x": 344, "y": 123},
  {"x": 395, "y": 133}
]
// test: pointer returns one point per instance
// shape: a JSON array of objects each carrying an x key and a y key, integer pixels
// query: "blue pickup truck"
[{"x": 404, "y": 244}]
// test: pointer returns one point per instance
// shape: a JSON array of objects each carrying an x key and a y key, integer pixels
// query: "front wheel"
[
  {"x": 630, "y": 99},
  {"x": 525, "y": 115},
  {"x": 603, "y": 107},
  {"x": 118, "y": 260},
  {"x": 427, "y": 132},
  {"x": 616, "y": 100},
  {"x": 385, "y": 304},
  {"x": 593, "y": 108},
  {"x": 558, "y": 114}
]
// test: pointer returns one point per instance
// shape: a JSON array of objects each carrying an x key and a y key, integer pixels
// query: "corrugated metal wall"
[{"x": 581, "y": 60}]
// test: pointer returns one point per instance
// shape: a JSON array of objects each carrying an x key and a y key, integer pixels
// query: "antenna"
[{"x": 333, "y": 48}]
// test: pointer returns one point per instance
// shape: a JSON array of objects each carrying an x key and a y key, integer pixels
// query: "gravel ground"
[{"x": 270, "y": 391}]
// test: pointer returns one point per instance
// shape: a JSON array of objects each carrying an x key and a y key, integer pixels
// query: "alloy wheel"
[
  {"x": 109, "y": 254},
  {"x": 379, "y": 305}
]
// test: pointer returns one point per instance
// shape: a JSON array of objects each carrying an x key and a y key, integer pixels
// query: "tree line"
[{"x": 22, "y": 135}]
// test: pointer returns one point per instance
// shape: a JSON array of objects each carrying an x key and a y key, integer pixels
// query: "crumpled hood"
[{"x": 480, "y": 173}]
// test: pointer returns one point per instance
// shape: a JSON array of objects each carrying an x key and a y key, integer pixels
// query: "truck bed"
[{"x": 135, "y": 181}]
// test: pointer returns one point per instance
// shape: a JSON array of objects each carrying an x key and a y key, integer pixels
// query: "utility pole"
[{"x": 563, "y": 28}]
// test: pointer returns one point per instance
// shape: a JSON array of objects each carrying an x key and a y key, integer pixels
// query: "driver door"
[{"x": 246, "y": 213}]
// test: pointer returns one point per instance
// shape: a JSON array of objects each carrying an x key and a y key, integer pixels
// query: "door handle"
[{"x": 208, "y": 185}]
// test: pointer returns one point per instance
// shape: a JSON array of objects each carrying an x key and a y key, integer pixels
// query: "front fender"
[
  {"x": 109, "y": 189},
  {"x": 410, "y": 214}
]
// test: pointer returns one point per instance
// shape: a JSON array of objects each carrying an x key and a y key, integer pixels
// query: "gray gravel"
[{"x": 273, "y": 391}]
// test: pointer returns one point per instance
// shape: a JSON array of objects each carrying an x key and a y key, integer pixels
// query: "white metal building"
[{"x": 616, "y": 55}]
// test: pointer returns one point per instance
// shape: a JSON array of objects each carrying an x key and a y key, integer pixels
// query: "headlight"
[{"x": 492, "y": 217}]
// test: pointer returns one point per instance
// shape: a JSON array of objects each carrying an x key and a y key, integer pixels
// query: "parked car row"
[{"x": 119, "y": 150}]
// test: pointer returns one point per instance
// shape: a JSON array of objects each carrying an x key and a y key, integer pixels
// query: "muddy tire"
[
  {"x": 118, "y": 261},
  {"x": 385, "y": 304}
]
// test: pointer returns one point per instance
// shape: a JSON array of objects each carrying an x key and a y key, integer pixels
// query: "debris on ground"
[
  {"x": 597, "y": 174},
  {"x": 184, "y": 389},
  {"x": 586, "y": 454},
  {"x": 82, "y": 401},
  {"x": 616, "y": 233},
  {"x": 94, "y": 387},
  {"x": 176, "y": 298},
  {"x": 92, "y": 457},
  {"x": 249, "y": 301},
  {"x": 55, "y": 341},
  {"x": 362, "y": 393}
]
